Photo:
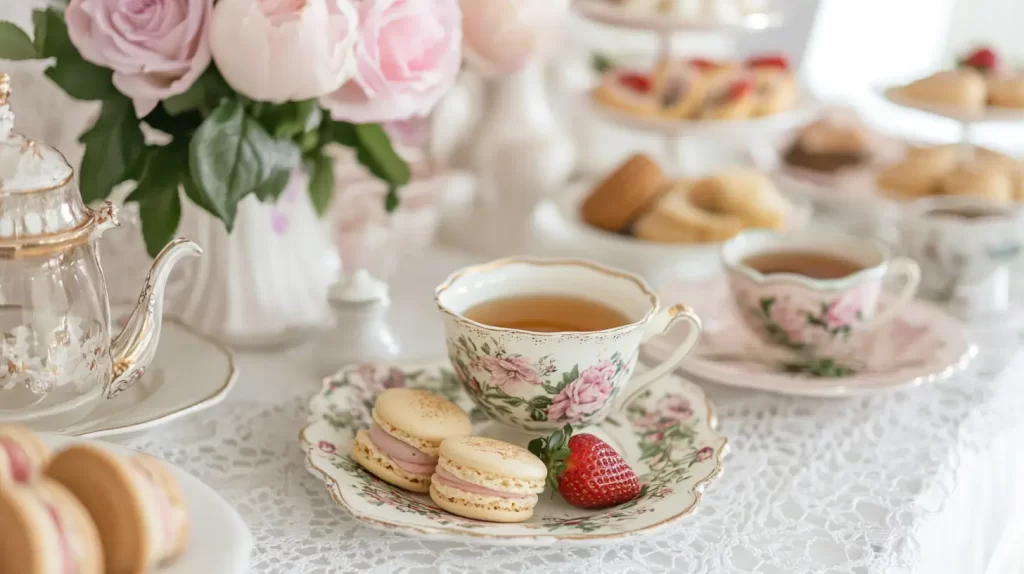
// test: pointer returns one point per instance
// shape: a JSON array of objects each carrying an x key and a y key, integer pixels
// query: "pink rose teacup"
[
  {"x": 539, "y": 343},
  {"x": 811, "y": 292}
]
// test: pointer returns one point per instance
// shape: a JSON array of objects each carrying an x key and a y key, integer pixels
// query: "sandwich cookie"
[
  {"x": 135, "y": 503},
  {"x": 487, "y": 479},
  {"x": 44, "y": 529},
  {"x": 402, "y": 443},
  {"x": 22, "y": 455}
]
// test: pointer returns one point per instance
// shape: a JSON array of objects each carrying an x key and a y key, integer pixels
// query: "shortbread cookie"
[
  {"x": 675, "y": 219},
  {"x": 619, "y": 200}
]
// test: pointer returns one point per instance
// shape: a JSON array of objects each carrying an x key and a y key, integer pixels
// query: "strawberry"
[
  {"x": 983, "y": 59},
  {"x": 703, "y": 64},
  {"x": 636, "y": 82},
  {"x": 739, "y": 88},
  {"x": 773, "y": 61},
  {"x": 588, "y": 472}
]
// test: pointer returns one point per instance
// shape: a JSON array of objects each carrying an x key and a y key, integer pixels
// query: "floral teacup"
[
  {"x": 537, "y": 382},
  {"x": 819, "y": 318}
]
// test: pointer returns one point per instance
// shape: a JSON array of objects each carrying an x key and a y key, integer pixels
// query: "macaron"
[
  {"x": 487, "y": 479},
  {"x": 46, "y": 530},
  {"x": 402, "y": 443},
  {"x": 135, "y": 503},
  {"x": 22, "y": 455}
]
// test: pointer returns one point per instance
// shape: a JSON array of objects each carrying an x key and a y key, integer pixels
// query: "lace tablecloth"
[{"x": 809, "y": 486}]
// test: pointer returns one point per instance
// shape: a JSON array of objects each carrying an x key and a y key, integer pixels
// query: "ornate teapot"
[{"x": 58, "y": 358}]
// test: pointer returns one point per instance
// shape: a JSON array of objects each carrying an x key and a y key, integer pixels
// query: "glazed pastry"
[
  {"x": 828, "y": 146},
  {"x": 619, "y": 200},
  {"x": 775, "y": 88},
  {"x": 675, "y": 219},
  {"x": 628, "y": 91},
  {"x": 402, "y": 442},
  {"x": 732, "y": 101},
  {"x": 487, "y": 479},
  {"x": 22, "y": 455},
  {"x": 745, "y": 194},
  {"x": 1007, "y": 92},
  {"x": 963, "y": 88},
  {"x": 680, "y": 89},
  {"x": 135, "y": 503},
  {"x": 46, "y": 530},
  {"x": 975, "y": 179}
]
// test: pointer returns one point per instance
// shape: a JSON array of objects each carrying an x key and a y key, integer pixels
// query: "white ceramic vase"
[{"x": 267, "y": 282}]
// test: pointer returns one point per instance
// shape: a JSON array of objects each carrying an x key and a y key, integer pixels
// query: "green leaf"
[
  {"x": 272, "y": 187},
  {"x": 376, "y": 154},
  {"x": 573, "y": 375},
  {"x": 15, "y": 43},
  {"x": 80, "y": 79},
  {"x": 39, "y": 20},
  {"x": 341, "y": 133},
  {"x": 183, "y": 124},
  {"x": 601, "y": 63},
  {"x": 290, "y": 119},
  {"x": 113, "y": 146},
  {"x": 391, "y": 200},
  {"x": 206, "y": 93},
  {"x": 158, "y": 196},
  {"x": 321, "y": 182}
]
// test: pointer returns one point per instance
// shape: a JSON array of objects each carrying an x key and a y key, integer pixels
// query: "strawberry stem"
[{"x": 553, "y": 451}]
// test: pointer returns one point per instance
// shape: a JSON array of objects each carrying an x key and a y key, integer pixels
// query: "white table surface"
[{"x": 922, "y": 481}]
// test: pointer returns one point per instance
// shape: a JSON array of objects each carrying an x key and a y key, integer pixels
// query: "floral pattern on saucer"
[
  {"x": 667, "y": 434},
  {"x": 922, "y": 344}
]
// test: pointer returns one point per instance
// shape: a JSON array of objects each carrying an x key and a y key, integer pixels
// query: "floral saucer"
[
  {"x": 923, "y": 344},
  {"x": 667, "y": 434}
]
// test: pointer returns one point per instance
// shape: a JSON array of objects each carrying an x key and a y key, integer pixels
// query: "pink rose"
[
  {"x": 156, "y": 48},
  {"x": 705, "y": 453},
  {"x": 284, "y": 50},
  {"x": 789, "y": 318},
  {"x": 676, "y": 405},
  {"x": 584, "y": 396},
  {"x": 844, "y": 310},
  {"x": 501, "y": 36},
  {"x": 327, "y": 447},
  {"x": 510, "y": 372},
  {"x": 407, "y": 56}
]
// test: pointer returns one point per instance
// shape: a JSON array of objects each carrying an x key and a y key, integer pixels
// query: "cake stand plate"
[
  {"x": 991, "y": 114},
  {"x": 608, "y": 13}
]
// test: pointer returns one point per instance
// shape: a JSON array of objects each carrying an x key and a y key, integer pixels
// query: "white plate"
[
  {"x": 218, "y": 542},
  {"x": 190, "y": 373},
  {"x": 991, "y": 114},
  {"x": 608, "y": 13},
  {"x": 923, "y": 344}
]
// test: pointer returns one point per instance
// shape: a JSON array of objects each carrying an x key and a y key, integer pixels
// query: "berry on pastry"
[
  {"x": 963, "y": 88},
  {"x": 732, "y": 101},
  {"x": 770, "y": 61},
  {"x": 629, "y": 91},
  {"x": 713, "y": 70},
  {"x": 983, "y": 59}
]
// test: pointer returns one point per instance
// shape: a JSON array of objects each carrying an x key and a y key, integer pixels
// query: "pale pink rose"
[
  {"x": 284, "y": 50},
  {"x": 677, "y": 406},
  {"x": 156, "y": 48},
  {"x": 408, "y": 55},
  {"x": 790, "y": 318},
  {"x": 584, "y": 396},
  {"x": 510, "y": 372},
  {"x": 844, "y": 309},
  {"x": 501, "y": 36}
]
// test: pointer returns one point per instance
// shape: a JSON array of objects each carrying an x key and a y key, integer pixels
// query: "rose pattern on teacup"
[{"x": 516, "y": 391}]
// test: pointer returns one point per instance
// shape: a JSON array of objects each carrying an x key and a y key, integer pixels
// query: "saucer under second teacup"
[{"x": 921, "y": 344}]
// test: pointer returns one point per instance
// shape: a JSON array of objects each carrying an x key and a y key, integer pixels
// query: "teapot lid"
[{"x": 25, "y": 164}]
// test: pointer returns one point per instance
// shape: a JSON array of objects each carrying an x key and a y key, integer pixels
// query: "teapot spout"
[{"x": 134, "y": 347}]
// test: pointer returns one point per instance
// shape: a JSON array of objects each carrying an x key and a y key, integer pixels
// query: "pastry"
[
  {"x": 911, "y": 179},
  {"x": 963, "y": 88},
  {"x": 675, "y": 219},
  {"x": 975, "y": 179},
  {"x": 680, "y": 89},
  {"x": 619, "y": 200},
  {"x": 22, "y": 455},
  {"x": 732, "y": 101},
  {"x": 629, "y": 91},
  {"x": 713, "y": 71},
  {"x": 775, "y": 88},
  {"x": 487, "y": 479},
  {"x": 828, "y": 146},
  {"x": 745, "y": 194},
  {"x": 401, "y": 445},
  {"x": 982, "y": 59},
  {"x": 135, "y": 503},
  {"x": 1006, "y": 91},
  {"x": 46, "y": 530}
]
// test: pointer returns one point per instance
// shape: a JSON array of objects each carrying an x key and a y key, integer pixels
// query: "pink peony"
[
  {"x": 501, "y": 36},
  {"x": 677, "y": 406},
  {"x": 156, "y": 48},
  {"x": 407, "y": 56},
  {"x": 584, "y": 396},
  {"x": 844, "y": 309},
  {"x": 510, "y": 372}
]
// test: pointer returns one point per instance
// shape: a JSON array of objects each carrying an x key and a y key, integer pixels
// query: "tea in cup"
[
  {"x": 541, "y": 343},
  {"x": 812, "y": 292}
]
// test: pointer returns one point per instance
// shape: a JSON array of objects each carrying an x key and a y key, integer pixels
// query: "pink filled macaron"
[{"x": 22, "y": 455}]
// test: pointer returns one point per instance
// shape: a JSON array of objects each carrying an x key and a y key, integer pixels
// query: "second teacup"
[
  {"x": 539, "y": 343},
  {"x": 813, "y": 292}
]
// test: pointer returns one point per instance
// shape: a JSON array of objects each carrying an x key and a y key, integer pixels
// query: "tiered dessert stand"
[{"x": 966, "y": 119}]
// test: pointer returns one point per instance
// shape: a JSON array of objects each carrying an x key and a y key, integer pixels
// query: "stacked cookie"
[
  {"x": 639, "y": 200},
  {"x": 701, "y": 89},
  {"x": 954, "y": 170},
  {"x": 85, "y": 509},
  {"x": 978, "y": 81}
]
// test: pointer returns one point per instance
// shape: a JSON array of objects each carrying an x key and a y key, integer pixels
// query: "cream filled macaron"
[
  {"x": 487, "y": 479},
  {"x": 44, "y": 529},
  {"x": 22, "y": 455},
  {"x": 135, "y": 503},
  {"x": 402, "y": 443}
]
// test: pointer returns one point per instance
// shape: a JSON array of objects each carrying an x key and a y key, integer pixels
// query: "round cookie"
[
  {"x": 745, "y": 194},
  {"x": 402, "y": 444},
  {"x": 963, "y": 88},
  {"x": 45, "y": 529},
  {"x": 487, "y": 479},
  {"x": 22, "y": 455},
  {"x": 675, "y": 219},
  {"x": 975, "y": 179},
  {"x": 622, "y": 197}
]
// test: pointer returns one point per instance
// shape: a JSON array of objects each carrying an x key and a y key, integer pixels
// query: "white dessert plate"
[
  {"x": 190, "y": 373},
  {"x": 218, "y": 541},
  {"x": 991, "y": 114},
  {"x": 615, "y": 14},
  {"x": 923, "y": 344},
  {"x": 667, "y": 435}
]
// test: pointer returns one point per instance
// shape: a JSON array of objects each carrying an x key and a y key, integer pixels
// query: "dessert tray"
[
  {"x": 219, "y": 541},
  {"x": 923, "y": 344},
  {"x": 642, "y": 16},
  {"x": 991, "y": 114},
  {"x": 667, "y": 435}
]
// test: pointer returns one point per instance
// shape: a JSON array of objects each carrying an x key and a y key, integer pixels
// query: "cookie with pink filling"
[
  {"x": 401, "y": 446},
  {"x": 22, "y": 455},
  {"x": 487, "y": 479}
]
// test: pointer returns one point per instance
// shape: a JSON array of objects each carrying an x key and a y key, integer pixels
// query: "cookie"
[
  {"x": 22, "y": 455},
  {"x": 745, "y": 194},
  {"x": 1006, "y": 91},
  {"x": 978, "y": 180},
  {"x": 619, "y": 200},
  {"x": 675, "y": 219},
  {"x": 963, "y": 88}
]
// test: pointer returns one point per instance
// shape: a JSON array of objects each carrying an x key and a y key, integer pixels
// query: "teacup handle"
[
  {"x": 911, "y": 273},
  {"x": 663, "y": 320}
]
